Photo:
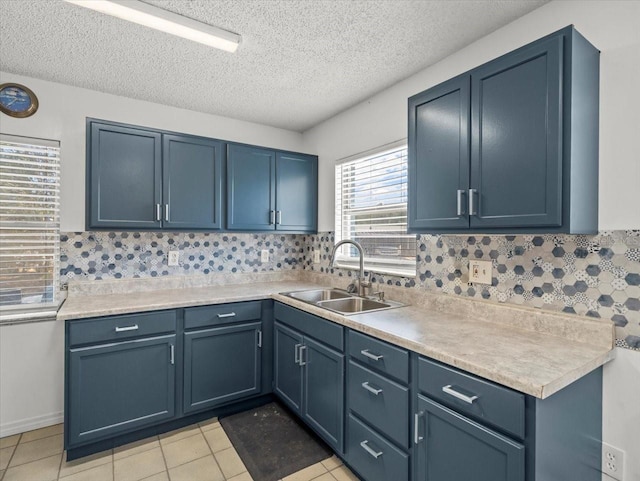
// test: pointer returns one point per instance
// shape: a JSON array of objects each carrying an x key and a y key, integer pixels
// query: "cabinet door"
[
  {"x": 439, "y": 156},
  {"x": 453, "y": 448},
  {"x": 296, "y": 192},
  {"x": 116, "y": 388},
  {"x": 516, "y": 140},
  {"x": 323, "y": 400},
  {"x": 124, "y": 172},
  {"x": 287, "y": 369},
  {"x": 251, "y": 195},
  {"x": 191, "y": 182},
  {"x": 221, "y": 365}
]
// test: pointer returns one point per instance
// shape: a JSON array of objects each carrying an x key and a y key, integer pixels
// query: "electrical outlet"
[
  {"x": 264, "y": 255},
  {"x": 480, "y": 271},
  {"x": 613, "y": 462},
  {"x": 174, "y": 258},
  {"x": 316, "y": 257}
]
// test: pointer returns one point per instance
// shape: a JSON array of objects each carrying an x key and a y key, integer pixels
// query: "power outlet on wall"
[
  {"x": 316, "y": 257},
  {"x": 264, "y": 255},
  {"x": 613, "y": 462},
  {"x": 174, "y": 258}
]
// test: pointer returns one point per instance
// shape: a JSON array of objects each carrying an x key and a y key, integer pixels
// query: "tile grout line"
[
  {"x": 215, "y": 460},
  {"x": 166, "y": 466},
  {"x": 11, "y": 457}
]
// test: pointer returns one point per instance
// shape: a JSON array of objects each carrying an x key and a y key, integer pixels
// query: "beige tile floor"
[{"x": 200, "y": 452}]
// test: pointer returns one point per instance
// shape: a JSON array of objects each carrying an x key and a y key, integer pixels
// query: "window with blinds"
[
  {"x": 29, "y": 227},
  {"x": 371, "y": 209}
]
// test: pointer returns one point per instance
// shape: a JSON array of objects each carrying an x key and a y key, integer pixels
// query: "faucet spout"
[{"x": 362, "y": 284}]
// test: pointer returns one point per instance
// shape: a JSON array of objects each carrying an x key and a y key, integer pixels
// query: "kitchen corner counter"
[{"x": 528, "y": 360}]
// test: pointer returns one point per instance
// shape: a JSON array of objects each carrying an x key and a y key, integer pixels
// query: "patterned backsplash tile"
[
  {"x": 597, "y": 276},
  {"x": 590, "y": 275}
]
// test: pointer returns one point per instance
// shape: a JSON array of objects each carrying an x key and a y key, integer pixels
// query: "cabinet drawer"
[
  {"x": 221, "y": 314},
  {"x": 382, "y": 403},
  {"x": 326, "y": 331},
  {"x": 115, "y": 328},
  {"x": 379, "y": 355},
  {"x": 373, "y": 457},
  {"x": 483, "y": 400}
]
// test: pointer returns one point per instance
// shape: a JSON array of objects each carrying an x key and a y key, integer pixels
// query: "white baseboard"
[{"x": 29, "y": 424}]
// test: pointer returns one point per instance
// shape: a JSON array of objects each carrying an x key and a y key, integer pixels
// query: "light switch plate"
[
  {"x": 316, "y": 257},
  {"x": 264, "y": 255},
  {"x": 480, "y": 271},
  {"x": 174, "y": 258}
]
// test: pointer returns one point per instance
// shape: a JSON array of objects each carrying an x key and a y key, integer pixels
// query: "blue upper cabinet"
[
  {"x": 517, "y": 151},
  {"x": 296, "y": 192},
  {"x": 192, "y": 182},
  {"x": 124, "y": 177},
  {"x": 269, "y": 190},
  {"x": 251, "y": 193}
]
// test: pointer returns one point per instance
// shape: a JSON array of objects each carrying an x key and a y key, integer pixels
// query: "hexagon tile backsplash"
[
  {"x": 595, "y": 275},
  {"x": 592, "y": 275}
]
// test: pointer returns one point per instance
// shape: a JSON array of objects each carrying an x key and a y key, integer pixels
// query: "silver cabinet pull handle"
[
  {"x": 166, "y": 212},
  {"x": 303, "y": 362},
  {"x": 460, "y": 210},
  {"x": 272, "y": 217},
  {"x": 172, "y": 354},
  {"x": 416, "y": 427},
  {"x": 259, "y": 338},
  {"x": 458, "y": 395},
  {"x": 228, "y": 314},
  {"x": 278, "y": 217},
  {"x": 375, "y": 357},
  {"x": 371, "y": 389},
  {"x": 296, "y": 353},
  {"x": 472, "y": 207},
  {"x": 128, "y": 328},
  {"x": 158, "y": 212},
  {"x": 365, "y": 446}
]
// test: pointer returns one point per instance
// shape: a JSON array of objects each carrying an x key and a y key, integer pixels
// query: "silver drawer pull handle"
[
  {"x": 365, "y": 446},
  {"x": 416, "y": 427},
  {"x": 458, "y": 395},
  {"x": 375, "y": 357},
  {"x": 229, "y": 314},
  {"x": 303, "y": 359},
  {"x": 371, "y": 389},
  {"x": 460, "y": 209},
  {"x": 296, "y": 353},
  {"x": 158, "y": 215},
  {"x": 472, "y": 207},
  {"x": 128, "y": 328}
]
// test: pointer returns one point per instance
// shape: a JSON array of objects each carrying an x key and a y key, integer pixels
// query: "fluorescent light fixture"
[{"x": 159, "y": 19}]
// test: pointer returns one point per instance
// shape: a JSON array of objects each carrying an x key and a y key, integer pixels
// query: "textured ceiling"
[{"x": 300, "y": 61}]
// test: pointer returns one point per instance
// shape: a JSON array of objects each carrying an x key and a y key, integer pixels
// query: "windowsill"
[
  {"x": 390, "y": 270},
  {"x": 20, "y": 314}
]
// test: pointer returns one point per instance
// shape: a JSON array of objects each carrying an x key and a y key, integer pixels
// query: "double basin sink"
[{"x": 340, "y": 301}]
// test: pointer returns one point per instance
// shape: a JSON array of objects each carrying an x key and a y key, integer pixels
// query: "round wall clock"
[{"x": 17, "y": 100}]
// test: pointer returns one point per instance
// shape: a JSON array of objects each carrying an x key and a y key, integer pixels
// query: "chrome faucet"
[{"x": 362, "y": 284}]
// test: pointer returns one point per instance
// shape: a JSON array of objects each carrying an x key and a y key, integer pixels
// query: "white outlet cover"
[
  {"x": 174, "y": 258},
  {"x": 316, "y": 257},
  {"x": 264, "y": 255},
  {"x": 480, "y": 271},
  {"x": 613, "y": 462}
]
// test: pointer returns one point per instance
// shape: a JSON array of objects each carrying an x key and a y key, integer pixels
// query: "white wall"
[
  {"x": 613, "y": 27},
  {"x": 610, "y": 26},
  {"x": 64, "y": 109}
]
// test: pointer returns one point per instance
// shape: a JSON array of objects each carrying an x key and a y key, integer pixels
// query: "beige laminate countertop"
[{"x": 529, "y": 361}]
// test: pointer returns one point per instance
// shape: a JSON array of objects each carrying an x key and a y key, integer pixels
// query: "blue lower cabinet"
[
  {"x": 117, "y": 387},
  {"x": 323, "y": 401},
  {"x": 451, "y": 447},
  {"x": 309, "y": 378},
  {"x": 221, "y": 365}
]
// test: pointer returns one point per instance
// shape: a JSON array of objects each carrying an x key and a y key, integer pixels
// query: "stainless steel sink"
[
  {"x": 318, "y": 295},
  {"x": 353, "y": 304},
  {"x": 340, "y": 301}
]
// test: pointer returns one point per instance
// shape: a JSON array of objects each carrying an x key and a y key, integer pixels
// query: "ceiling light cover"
[{"x": 169, "y": 22}]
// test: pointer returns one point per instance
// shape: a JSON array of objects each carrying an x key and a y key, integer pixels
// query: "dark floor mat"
[{"x": 272, "y": 443}]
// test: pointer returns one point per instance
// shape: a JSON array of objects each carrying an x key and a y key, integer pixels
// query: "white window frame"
[
  {"x": 394, "y": 267},
  {"x": 49, "y": 241}
]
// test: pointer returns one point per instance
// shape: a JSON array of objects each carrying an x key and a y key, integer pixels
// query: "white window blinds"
[
  {"x": 371, "y": 208},
  {"x": 29, "y": 227}
]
